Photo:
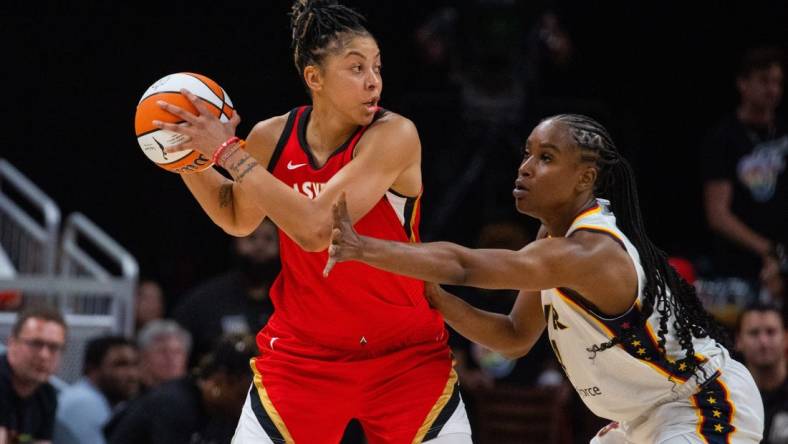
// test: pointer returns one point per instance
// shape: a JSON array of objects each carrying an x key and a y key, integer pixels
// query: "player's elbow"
[
  {"x": 238, "y": 228},
  {"x": 514, "y": 353},
  {"x": 236, "y": 231},
  {"x": 517, "y": 341},
  {"x": 515, "y": 349},
  {"x": 311, "y": 245},
  {"x": 314, "y": 240},
  {"x": 511, "y": 355},
  {"x": 460, "y": 276}
]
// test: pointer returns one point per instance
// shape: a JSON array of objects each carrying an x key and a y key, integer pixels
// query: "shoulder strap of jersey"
[
  {"x": 354, "y": 140},
  {"x": 287, "y": 133},
  {"x": 595, "y": 219}
]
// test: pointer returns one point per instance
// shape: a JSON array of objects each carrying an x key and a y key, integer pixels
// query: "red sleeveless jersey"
[{"x": 357, "y": 308}]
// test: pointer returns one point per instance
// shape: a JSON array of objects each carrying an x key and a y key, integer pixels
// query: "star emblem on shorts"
[
  {"x": 682, "y": 367},
  {"x": 641, "y": 351},
  {"x": 718, "y": 428},
  {"x": 635, "y": 343},
  {"x": 716, "y": 413},
  {"x": 712, "y": 400}
]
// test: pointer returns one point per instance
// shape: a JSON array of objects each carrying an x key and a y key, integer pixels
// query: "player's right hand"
[{"x": 204, "y": 132}]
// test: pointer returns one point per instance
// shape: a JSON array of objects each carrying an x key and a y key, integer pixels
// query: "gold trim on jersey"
[
  {"x": 595, "y": 209},
  {"x": 655, "y": 342},
  {"x": 599, "y": 228},
  {"x": 412, "y": 220},
  {"x": 586, "y": 313},
  {"x": 443, "y": 399},
  {"x": 269, "y": 406},
  {"x": 715, "y": 416},
  {"x": 699, "y": 414},
  {"x": 653, "y": 338},
  {"x": 730, "y": 401}
]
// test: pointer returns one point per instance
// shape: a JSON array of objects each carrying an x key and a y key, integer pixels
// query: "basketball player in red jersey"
[{"x": 363, "y": 343}]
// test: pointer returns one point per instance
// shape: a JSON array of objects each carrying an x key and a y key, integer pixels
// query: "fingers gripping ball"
[{"x": 153, "y": 141}]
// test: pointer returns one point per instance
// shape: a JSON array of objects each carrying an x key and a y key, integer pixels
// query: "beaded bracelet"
[
  {"x": 229, "y": 142},
  {"x": 232, "y": 149}
]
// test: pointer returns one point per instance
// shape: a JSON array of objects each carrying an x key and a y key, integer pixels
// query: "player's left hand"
[
  {"x": 345, "y": 244},
  {"x": 432, "y": 292},
  {"x": 204, "y": 131}
]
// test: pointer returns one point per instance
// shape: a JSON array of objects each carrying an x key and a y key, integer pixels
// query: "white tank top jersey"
[{"x": 623, "y": 382}]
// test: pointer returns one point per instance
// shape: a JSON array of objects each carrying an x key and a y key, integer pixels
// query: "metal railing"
[
  {"x": 82, "y": 271},
  {"x": 29, "y": 244},
  {"x": 116, "y": 297}
]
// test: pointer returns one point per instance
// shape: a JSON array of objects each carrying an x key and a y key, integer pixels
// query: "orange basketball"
[{"x": 153, "y": 140}]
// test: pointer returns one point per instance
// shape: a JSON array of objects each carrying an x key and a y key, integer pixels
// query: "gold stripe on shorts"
[
  {"x": 443, "y": 399},
  {"x": 273, "y": 414}
]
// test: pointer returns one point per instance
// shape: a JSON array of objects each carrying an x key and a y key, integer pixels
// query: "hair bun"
[
  {"x": 315, "y": 24},
  {"x": 301, "y": 7}
]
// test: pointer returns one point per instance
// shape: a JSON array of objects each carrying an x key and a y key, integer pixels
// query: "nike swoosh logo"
[{"x": 292, "y": 166}]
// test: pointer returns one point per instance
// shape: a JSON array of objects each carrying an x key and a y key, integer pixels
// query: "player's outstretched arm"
[
  {"x": 389, "y": 150},
  {"x": 538, "y": 266},
  {"x": 590, "y": 263}
]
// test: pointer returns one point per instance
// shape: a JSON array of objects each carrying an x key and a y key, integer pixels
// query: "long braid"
[
  {"x": 319, "y": 27},
  {"x": 664, "y": 291}
]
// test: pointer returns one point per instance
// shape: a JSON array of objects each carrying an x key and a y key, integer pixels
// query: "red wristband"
[
  {"x": 231, "y": 149},
  {"x": 229, "y": 142}
]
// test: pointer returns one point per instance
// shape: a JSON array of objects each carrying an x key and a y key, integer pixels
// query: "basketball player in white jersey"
[{"x": 630, "y": 334}]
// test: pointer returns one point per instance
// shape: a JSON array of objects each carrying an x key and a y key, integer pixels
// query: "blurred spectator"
[
  {"x": 760, "y": 338},
  {"x": 552, "y": 71},
  {"x": 745, "y": 184},
  {"x": 111, "y": 377},
  {"x": 436, "y": 41},
  {"x": 236, "y": 301},
  {"x": 27, "y": 400},
  {"x": 164, "y": 352},
  {"x": 473, "y": 55},
  {"x": 148, "y": 304},
  {"x": 201, "y": 408},
  {"x": 494, "y": 72}
]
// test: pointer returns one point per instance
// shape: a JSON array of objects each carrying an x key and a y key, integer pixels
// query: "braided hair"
[
  {"x": 321, "y": 27},
  {"x": 665, "y": 291}
]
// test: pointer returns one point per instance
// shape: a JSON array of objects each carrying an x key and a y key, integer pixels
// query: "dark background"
[{"x": 663, "y": 71}]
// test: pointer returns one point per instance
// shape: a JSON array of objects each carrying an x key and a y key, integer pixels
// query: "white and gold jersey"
[{"x": 623, "y": 382}]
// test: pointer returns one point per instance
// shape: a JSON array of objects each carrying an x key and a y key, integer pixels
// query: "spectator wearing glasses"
[{"x": 27, "y": 400}]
